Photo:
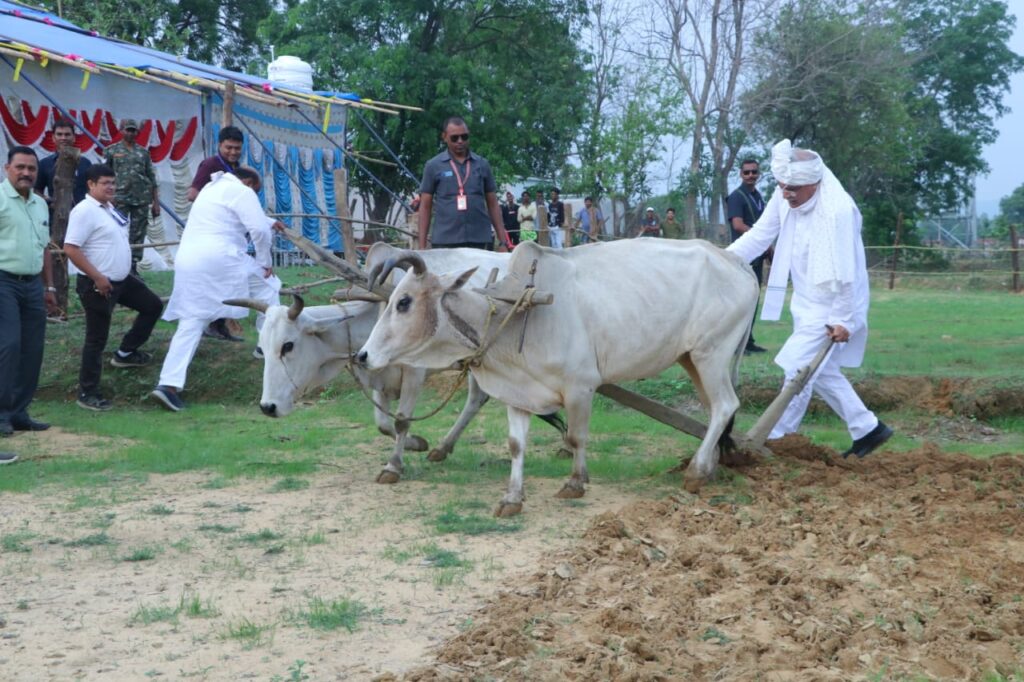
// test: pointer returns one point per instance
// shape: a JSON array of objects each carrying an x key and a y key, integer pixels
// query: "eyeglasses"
[
  {"x": 751, "y": 172},
  {"x": 459, "y": 138}
]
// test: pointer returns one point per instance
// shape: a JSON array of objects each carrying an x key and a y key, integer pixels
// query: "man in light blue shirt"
[{"x": 26, "y": 291}]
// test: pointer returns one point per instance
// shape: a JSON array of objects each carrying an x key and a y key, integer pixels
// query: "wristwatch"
[{"x": 51, "y": 289}]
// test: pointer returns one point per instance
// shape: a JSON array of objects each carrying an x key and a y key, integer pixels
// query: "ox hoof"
[
  {"x": 692, "y": 484},
  {"x": 416, "y": 444},
  {"x": 388, "y": 477},
  {"x": 564, "y": 453},
  {"x": 571, "y": 491},
  {"x": 438, "y": 455},
  {"x": 505, "y": 509}
]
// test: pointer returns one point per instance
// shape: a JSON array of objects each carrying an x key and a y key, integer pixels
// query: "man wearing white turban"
[{"x": 819, "y": 247}]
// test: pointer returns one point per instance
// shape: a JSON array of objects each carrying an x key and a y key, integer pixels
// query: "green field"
[{"x": 918, "y": 338}]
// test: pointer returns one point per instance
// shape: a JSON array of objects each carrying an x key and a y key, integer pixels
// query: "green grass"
[
  {"x": 454, "y": 519},
  {"x": 141, "y": 554},
  {"x": 15, "y": 542},
  {"x": 250, "y": 634},
  {"x": 223, "y": 436},
  {"x": 288, "y": 484},
  {"x": 94, "y": 540},
  {"x": 332, "y": 615},
  {"x": 264, "y": 535},
  {"x": 217, "y": 528}
]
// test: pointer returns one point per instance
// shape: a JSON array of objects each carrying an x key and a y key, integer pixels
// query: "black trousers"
[
  {"x": 22, "y": 331},
  {"x": 130, "y": 292},
  {"x": 758, "y": 266}
]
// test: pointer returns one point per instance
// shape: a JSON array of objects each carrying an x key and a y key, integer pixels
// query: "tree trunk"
[{"x": 60, "y": 209}]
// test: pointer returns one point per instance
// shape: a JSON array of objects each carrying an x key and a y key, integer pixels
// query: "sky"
[{"x": 1004, "y": 156}]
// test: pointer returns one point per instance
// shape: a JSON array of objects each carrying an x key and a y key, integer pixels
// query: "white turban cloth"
[
  {"x": 831, "y": 259},
  {"x": 792, "y": 171}
]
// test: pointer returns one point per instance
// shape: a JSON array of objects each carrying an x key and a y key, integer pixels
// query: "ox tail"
[{"x": 555, "y": 419}]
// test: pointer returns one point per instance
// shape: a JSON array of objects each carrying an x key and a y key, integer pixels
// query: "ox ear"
[{"x": 461, "y": 280}]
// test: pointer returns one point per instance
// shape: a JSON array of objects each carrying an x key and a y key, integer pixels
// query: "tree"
[
  {"x": 961, "y": 66},
  {"x": 511, "y": 68},
  {"x": 899, "y": 97},
  {"x": 701, "y": 44},
  {"x": 836, "y": 81},
  {"x": 222, "y": 32}
]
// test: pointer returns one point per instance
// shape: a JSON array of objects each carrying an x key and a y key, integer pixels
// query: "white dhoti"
[{"x": 212, "y": 266}]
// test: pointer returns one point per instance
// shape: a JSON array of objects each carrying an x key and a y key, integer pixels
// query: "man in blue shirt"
[
  {"x": 63, "y": 133},
  {"x": 745, "y": 206},
  {"x": 458, "y": 194}
]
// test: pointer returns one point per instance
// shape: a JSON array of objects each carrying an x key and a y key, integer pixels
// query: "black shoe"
[
  {"x": 28, "y": 424},
  {"x": 8, "y": 458},
  {"x": 864, "y": 446},
  {"x": 168, "y": 397},
  {"x": 6, "y": 429},
  {"x": 137, "y": 358},
  {"x": 218, "y": 329},
  {"x": 753, "y": 348},
  {"x": 96, "y": 403}
]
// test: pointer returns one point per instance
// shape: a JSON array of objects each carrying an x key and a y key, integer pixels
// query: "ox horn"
[
  {"x": 251, "y": 303},
  {"x": 381, "y": 271},
  {"x": 296, "y": 307}
]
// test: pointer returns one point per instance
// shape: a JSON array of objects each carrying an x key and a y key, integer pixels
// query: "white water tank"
[{"x": 291, "y": 72}]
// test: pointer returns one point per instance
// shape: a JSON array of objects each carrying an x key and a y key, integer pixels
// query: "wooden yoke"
[{"x": 351, "y": 272}]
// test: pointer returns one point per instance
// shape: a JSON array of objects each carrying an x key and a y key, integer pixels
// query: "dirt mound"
[{"x": 812, "y": 568}]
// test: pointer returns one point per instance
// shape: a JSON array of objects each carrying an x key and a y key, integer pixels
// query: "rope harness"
[{"x": 523, "y": 303}]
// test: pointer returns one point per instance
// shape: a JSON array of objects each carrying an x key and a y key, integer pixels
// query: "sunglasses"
[
  {"x": 459, "y": 138},
  {"x": 751, "y": 172}
]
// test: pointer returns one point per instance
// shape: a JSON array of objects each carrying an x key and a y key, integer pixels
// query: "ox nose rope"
[{"x": 523, "y": 303}]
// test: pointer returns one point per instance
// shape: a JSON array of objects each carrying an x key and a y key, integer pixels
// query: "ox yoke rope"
[{"x": 524, "y": 302}]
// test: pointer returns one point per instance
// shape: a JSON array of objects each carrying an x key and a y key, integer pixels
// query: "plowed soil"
[{"x": 905, "y": 565}]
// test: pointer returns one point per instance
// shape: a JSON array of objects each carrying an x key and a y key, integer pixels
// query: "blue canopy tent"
[{"x": 293, "y": 136}]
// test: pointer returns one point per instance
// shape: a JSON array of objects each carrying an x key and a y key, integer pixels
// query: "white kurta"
[
  {"x": 812, "y": 306},
  {"x": 212, "y": 264}
]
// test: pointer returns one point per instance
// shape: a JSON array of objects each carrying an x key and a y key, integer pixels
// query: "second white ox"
[
  {"x": 307, "y": 346},
  {"x": 624, "y": 310}
]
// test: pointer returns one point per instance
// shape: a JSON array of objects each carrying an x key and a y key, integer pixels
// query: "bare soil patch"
[
  {"x": 813, "y": 568},
  {"x": 72, "y": 607}
]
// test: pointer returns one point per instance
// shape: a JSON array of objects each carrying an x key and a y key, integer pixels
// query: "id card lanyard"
[{"x": 461, "y": 201}]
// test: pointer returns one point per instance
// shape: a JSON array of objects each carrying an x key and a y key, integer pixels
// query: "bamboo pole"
[
  {"x": 341, "y": 202},
  {"x": 60, "y": 209},
  {"x": 896, "y": 250},
  {"x": 143, "y": 77},
  {"x": 227, "y": 109},
  {"x": 24, "y": 51},
  {"x": 1015, "y": 257}
]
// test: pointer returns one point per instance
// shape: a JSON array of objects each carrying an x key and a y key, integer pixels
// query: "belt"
[{"x": 20, "y": 278}]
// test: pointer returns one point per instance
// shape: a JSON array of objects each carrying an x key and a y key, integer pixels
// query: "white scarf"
[{"x": 831, "y": 260}]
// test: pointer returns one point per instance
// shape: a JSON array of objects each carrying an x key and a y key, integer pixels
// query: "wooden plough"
[{"x": 509, "y": 291}]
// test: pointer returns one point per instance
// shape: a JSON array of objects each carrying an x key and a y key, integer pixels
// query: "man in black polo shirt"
[
  {"x": 458, "y": 189},
  {"x": 63, "y": 133},
  {"x": 510, "y": 217},
  {"x": 745, "y": 206}
]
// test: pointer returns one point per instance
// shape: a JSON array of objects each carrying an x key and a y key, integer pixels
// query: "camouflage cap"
[{"x": 129, "y": 123}]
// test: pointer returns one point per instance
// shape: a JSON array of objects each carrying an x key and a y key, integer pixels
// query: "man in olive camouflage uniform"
[{"x": 136, "y": 195}]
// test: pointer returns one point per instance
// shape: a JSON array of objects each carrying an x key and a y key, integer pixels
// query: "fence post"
[
  {"x": 896, "y": 250},
  {"x": 341, "y": 208},
  {"x": 1015, "y": 257}
]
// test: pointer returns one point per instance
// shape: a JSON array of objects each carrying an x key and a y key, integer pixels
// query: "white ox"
[
  {"x": 306, "y": 347},
  {"x": 621, "y": 311}
]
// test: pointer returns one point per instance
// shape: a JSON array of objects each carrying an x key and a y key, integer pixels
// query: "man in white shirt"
[
  {"x": 819, "y": 247},
  {"x": 97, "y": 245},
  {"x": 211, "y": 266}
]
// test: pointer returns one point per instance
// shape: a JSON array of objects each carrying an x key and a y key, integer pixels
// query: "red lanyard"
[{"x": 459, "y": 179}]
